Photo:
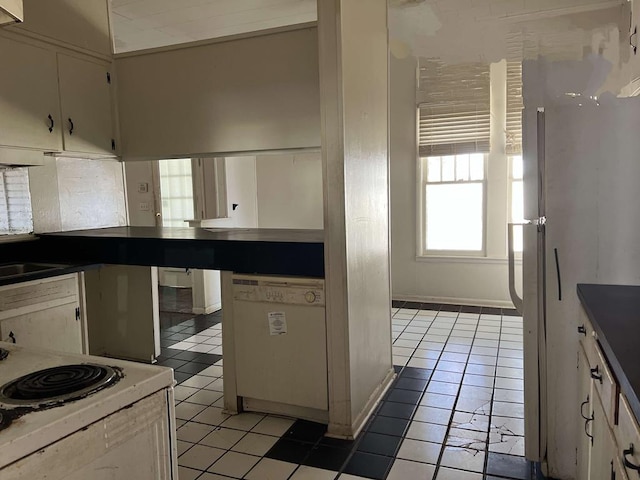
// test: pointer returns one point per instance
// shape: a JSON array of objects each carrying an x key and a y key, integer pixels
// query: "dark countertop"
[
  {"x": 614, "y": 311},
  {"x": 54, "y": 270},
  {"x": 199, "y": 234},
  {"x": 243, "y": 250}
]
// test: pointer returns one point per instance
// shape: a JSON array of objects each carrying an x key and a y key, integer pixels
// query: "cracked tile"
[
  {"x": 510, "y": 444},
  {"x": 463, "y": 458},
  {"x": 470, "y": 421},
  {"x": 507, "y": 425},
  {"x": 474, "y": 405},
  {"x": 467, "y": 439}
]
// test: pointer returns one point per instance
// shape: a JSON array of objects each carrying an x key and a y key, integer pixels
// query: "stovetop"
[
  {"x": 57, "y": 385},
  {"x": 33, "y": 423}
]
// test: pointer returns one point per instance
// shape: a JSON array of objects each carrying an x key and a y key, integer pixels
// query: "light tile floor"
[{"x": 455, "y": 411}]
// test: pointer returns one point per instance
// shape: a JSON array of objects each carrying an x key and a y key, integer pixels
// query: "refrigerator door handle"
[{"x": 515, "y": 298}]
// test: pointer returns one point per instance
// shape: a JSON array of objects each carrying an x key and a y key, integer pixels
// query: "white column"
[
  {"x": 354, "y": 121},
  {"x": 498, "y": 167}
]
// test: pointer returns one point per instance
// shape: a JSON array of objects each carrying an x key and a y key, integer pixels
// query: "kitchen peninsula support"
[{"x": 352, "y": 37}]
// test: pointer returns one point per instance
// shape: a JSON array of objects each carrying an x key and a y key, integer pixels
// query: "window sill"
[{"x": 465, "y": 259}]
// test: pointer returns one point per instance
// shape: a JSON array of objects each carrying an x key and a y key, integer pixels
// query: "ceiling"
[
  {"x": 143, "y": 24},
  {"x": 417, "y": 27}
]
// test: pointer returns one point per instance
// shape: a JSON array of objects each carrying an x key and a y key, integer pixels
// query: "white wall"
[
  {"x": 242, "y": 190},
  {"x": 74, "y": 193},
  {"x": 449, "y": 280},
  {"x": 289, "y": 191},
  {"x": 136, "y": 173}
]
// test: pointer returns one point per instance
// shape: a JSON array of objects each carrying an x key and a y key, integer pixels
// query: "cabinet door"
[
  {"x": 584, "y": 413},
  {"x": 627, "y": 434},
  {"x": 29, "y": 96},
  {"x": 57, "y": 328},
  {"x": 83, "y": 23},
  {"x": 603, "y": 450},
  {"x": 210, "y": 99},
  {"x": 85, "y": 98}
]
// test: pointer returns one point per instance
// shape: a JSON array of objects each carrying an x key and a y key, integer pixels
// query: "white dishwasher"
[{"x": 280, "y": 344}]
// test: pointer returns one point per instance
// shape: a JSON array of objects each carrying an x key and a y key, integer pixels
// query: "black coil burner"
[
  {"x": 3, "y": 353},
  {"x": 58, "y": 384}
]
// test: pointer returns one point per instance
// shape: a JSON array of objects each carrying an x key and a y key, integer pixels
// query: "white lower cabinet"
[
  {"x": 603, "y": 449},
  {"x": 585, "y": 409},
  {"x": 609, "y": 432},
  {"x": 627, "y": 434},
  {"x": 43, "y": 314}
]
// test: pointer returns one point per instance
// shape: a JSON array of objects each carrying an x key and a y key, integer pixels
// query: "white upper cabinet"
[
  {"x": 29, "y": 108},
  {"x": 80, "y": 23},
  {"x": 85, "y": 99},
  {"x": 245, "y": 95},
  {"x": 11, "y": 11}
]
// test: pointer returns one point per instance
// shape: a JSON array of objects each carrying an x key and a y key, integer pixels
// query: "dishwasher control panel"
[{"x": 293, "y": 292}]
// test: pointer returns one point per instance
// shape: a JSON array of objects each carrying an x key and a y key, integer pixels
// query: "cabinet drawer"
[
  {"x": 37, "y": 295},
  {"x": 605, "y": 385},
  {"x": 587, "y": 337},
  {"x": 627, "y": 433}
]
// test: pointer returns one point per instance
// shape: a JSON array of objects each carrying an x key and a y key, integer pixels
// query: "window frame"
[
  {"x": 27, "y": 227},
  {"x": 510, "y": 181},
  {"x": 423, "y": 251},
  {"x": 162, "y": 198}
]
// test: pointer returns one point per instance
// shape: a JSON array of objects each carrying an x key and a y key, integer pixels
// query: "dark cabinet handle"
[
  {"x": 582, "y": 408},
  {"x": 582, "y": 330},
  {"x": 51, "y": 123},
  {"x": 12, "y": 336},
  {"x": 627, "y": 463},
  {"x": 595, "y": 374},
  {"x": 70, "y": 126},
  {"x": 586, "y": 426}
]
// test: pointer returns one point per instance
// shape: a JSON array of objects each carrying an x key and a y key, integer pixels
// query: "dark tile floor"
[{"x": 454, "y": 412}]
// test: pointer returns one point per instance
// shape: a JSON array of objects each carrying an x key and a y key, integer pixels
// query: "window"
[
  {"x": 514, "y": 149},
  {"x": 453, "y": 140},
  {"x": 517, "y": 199},
  {"x": 454, "y": 190},
  {"x": 176, "y": 191},
  {"x": 15, "y": 201}
]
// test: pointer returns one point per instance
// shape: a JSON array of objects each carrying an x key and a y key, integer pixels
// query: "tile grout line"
[
  {"x": 453, "y": 408},
  {"x": 403, "y": 437},
  {"x": 493, "y": 395}
]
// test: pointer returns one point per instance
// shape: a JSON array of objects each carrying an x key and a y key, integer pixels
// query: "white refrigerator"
[{"x": 582, "y": 205}]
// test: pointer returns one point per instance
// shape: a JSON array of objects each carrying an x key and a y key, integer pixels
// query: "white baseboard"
[
  {"x": 206, "y": 311},
  {"x": 475, "y": 302}
]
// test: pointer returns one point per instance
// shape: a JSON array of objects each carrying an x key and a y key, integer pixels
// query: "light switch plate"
[
  {"x": 144, "y": 206},
  {"x": 143, "y": 187}
]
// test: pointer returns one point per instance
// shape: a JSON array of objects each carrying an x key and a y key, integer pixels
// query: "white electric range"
[{"x": 74, "y": 417}]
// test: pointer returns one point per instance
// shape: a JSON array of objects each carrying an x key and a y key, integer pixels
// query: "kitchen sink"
[{"x": 14, "y": 269}]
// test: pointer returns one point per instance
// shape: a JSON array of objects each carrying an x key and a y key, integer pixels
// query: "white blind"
[
  {"x": 514, "y": 107},
  {"x": 455, "y": 114},
  {"x": 15, "y": 201},
  {"x": 515, "y": 55}
]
